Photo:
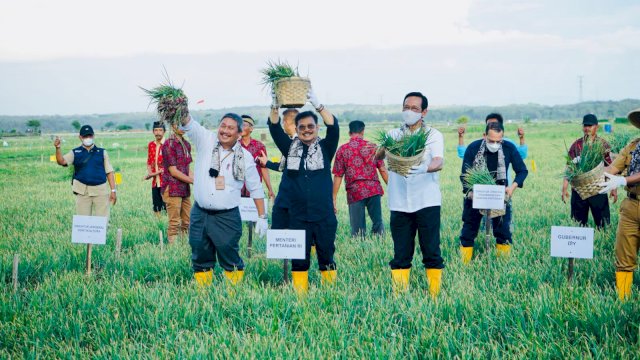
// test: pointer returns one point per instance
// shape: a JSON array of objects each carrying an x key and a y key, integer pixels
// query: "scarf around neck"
[
  {"x": 481, "y": 161},
  {"x": 313, "y": 161},
  {"x": 237, "y": 161}
]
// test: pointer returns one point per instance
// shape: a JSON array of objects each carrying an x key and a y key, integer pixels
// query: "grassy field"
[{"x": 145, "y": 304}]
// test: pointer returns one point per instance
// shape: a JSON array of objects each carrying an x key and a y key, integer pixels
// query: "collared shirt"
[
  {"x": 511, "y": 158},
  {"x": 415, "y": 192},
  {"x": 356, "y": 161},
  {"x": 576, "y": 149},
  {"x": 256, "y": 148},
  {"x": 83, "y": 189},
  {"x": 308, "y": 193},
  {"x": 154, "y": 159},
  {"x": 174, "y": 154},
  {"x": 623, "y": 161},
  {"x": 204, "y": 188}
]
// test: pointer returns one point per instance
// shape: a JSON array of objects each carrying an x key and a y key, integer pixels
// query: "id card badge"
[{"x": 220, "y": 182}]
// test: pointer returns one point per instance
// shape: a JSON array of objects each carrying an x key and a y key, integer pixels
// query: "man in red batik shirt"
[
  {"x": 256, "y": 148},
  {"x": 155, "y": 168},
  {"x": 356, "y": 163}
]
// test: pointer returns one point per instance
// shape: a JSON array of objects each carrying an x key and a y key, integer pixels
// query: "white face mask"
[
  {"x": 87, "y": 142},
  {"x": 411, "y": 117},
  {"x": 493, "y": 147}
]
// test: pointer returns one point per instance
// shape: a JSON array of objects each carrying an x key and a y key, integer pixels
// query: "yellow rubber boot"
[
  {"x": 328, "y": 277},
  {"x": 624, "y": 279},
  {"x": 434, "y": 276},
  {"x": 503, "y": 250},
  {"x": 313, "y": 250},
  {"x": 234, "y": 277},
  {"x": 467, "y": 253},
  {"x": 300, "y": 281},
  {"x": 400, "y": 279},
  {"x": 203, "y": 278}
]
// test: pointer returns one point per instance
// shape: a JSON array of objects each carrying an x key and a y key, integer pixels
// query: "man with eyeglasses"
[
  {"x": 496, "y": 155},
  {"x": 307, "y": 171}
]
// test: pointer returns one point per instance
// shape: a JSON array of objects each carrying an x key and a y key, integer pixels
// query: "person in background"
[
  {"x": 496, "y": 155},
  {"x": 307, "y": 173},
  {"x": 628, "y": 232},
  {"x": 523, "y": 149},
  {"x": 91, "y": 173},
  {"x": 356, "y": 164},
  {"x": 599, "y": 203},
  {"x": 415, "y": 201},
  {"x": 256, "y": 148},
  {"x": 175, "y": 182},
  {"x": 155, "y": 167}
]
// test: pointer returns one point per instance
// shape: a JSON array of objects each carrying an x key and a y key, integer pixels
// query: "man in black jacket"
[
  {"x": 496, "y": 155},
  {"x": 307, "y": 173}
]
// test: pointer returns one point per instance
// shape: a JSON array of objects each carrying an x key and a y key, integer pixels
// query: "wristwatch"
[
  {"x": 113, "y": 190},
  {"x": 263, "y": 216}
]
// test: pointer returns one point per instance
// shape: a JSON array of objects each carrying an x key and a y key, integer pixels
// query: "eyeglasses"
[{"x": 309, "y": 127}]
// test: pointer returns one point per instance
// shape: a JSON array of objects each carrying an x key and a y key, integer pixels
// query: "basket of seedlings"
[
  {"x": 405, "y": 151},
  {"x": 480, "y": 175},
  {"x": 587, "y": 171},
  {"x": 291, "y": 90},
  {"x": 172, "y": 103}
]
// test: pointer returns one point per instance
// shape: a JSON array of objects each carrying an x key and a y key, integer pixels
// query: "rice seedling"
[
  {"x": 172, "y": 103},
  {"x": 593, "y": 152},
  {"x": 620, "y": 139},
  {"x": 478, "y": 175},
  {"x": 408, "y": 145},
  {"x": 277, "y": 70}
]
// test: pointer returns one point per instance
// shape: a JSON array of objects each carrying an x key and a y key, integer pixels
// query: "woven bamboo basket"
[
  {"x": 493, "y": 213},
  {"x": 401, "y": 165},
  {"x": 586, "y": 185},
  {"x": 292, "y": 92}
]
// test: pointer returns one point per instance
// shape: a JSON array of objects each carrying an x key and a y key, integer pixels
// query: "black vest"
[{"x": 89, "y": 165}]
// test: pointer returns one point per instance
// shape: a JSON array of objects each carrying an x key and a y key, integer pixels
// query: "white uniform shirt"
[
  {"x": 410, "y": 194},
  {"x": 204, "y": 188}
]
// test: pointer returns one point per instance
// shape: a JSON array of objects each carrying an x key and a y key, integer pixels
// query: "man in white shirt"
[
  {"x": 222, "y": 168},
  {"x": 415, "y": 201}
]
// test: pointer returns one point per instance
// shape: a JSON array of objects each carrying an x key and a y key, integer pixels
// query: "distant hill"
[{"x": 345, "y": 112}]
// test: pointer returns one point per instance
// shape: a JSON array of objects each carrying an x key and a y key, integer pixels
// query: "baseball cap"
[
  {"x": 86, "y": 130},
  {"x": 589, "y": 120}
]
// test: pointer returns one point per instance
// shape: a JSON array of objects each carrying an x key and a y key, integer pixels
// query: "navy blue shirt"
[
  {"x": 308, "y": 194},
  {"x": 511, "y": 157}
]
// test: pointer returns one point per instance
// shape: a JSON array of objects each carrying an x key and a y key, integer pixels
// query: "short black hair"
[
  {"x": 425, "y": 101},
  {"x": 356, "y": 127},
  {"x": 495, "y": 126},
  {"x": 306, "y": 114},
  {"x": 496, "y": 116},
  {"x": 233, "y": 116}
]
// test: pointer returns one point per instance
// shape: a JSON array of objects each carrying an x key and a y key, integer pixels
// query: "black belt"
[
  {"x": 215, "y": 212},
  {"x": 632, "y": 196}
]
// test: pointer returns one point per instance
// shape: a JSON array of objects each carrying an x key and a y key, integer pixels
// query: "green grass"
[{"x": 144, "y": 304}]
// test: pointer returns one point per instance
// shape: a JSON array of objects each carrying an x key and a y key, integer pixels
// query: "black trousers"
[
  {"x": 279, "y": 217},
  {"x": 158, "y": 203},
  {"x": 426, "y": 222},
  {"x": 471, "y": 219},
  {"x": 215, "y": 234},
  {"x": 323, "y": 235},
  {"x": 599, "y": 205}
]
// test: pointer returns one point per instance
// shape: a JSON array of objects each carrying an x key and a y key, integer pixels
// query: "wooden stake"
[
  {"x": 14, "y": 275},
  {"x": 570, "y": 269},
  {"x": 285, "y": 270},
  {"x": 42, "y": 158},
  {"x": 161, "y": 240},
  {"x": 88, "y": 259},
  {"x": 250, "y": 240},
  {"x": 118, "y": 242},
  {"x": 487, "y": 227}
]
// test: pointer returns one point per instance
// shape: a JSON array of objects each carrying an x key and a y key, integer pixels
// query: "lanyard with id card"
[{"x": 220, "y": 178}]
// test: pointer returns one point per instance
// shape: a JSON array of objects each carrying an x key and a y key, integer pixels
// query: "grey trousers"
[
  {"x": 214, "y": 234},
  {"x": 357, "y": 216}
]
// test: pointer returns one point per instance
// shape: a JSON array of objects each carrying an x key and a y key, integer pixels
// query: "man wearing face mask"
[
  {"x": 415, "y": 201},
  {"x": 307, "y": 171},
  {"x": 496, "y": 155},
  {"x": 91, "y": 172}
]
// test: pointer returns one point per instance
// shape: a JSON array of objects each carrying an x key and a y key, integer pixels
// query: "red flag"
[{"x": 200, "y": 101}]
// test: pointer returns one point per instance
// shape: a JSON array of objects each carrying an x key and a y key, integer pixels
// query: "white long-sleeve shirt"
[{"x": 204, "y": 188}]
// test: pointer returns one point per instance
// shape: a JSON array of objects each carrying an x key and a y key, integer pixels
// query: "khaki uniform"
[
  {"x": 91, "y": 197},
  {"x": 628, "y": 233}
]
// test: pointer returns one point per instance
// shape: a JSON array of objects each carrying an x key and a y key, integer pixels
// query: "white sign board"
[
  {"x": 285, "y": 244},
  {"x": 248, "y": 209},
  {"x": 488, "y": 197},
  {"x": 572, "y": 242},
  {"x": 89, "y": 230}
]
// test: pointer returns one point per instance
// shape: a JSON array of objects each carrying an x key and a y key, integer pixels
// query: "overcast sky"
[{"x": 74, "y": 57}]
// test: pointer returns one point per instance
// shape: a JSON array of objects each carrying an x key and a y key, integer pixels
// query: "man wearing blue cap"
[
  {"x": 599, "y": 203},
  {"x": 91, "y": 172}
]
